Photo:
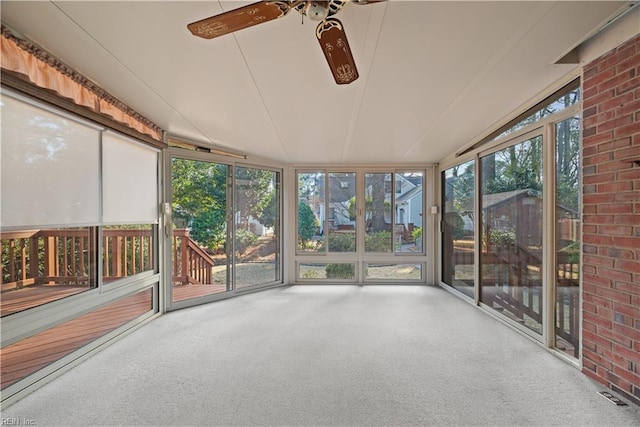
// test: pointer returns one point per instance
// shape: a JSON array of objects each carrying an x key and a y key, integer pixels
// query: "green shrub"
[
  {"x": 244, "y": 239},
  {"x": 416, "y": 233},
  {"x": 378, "y": 241},
  {"x": 340, "y": 242},
  {"x": 310, "y": 274},
  {"x": 340, "y": 271},
  {"x": 503, "y": 239}
]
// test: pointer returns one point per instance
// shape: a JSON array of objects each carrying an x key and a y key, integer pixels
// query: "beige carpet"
[{"x": 325, "y": 355}]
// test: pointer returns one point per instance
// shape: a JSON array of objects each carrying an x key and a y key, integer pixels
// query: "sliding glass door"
[
  {"x": 511, "y": 259},
  {"x": 257, "y": 219},
  {"x": 458, "y": 227},
  {"x": 225, "y": 228},
  {"x": 200, "y": 261},
  {"x": 511, "y": 225}
]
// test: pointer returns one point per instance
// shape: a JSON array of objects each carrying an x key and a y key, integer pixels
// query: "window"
[
  {"x": 78, "y": 234},
  {"x": 376, "y": 217},
  {"x": 384, "y": 272},
  {"x": 549, "y": 108},
  {"x": 336, "y": 271},
  {"x": 44, "y": 265},
  {"x": 67, "y": 186},
  {"x": 458, "y": 230}
]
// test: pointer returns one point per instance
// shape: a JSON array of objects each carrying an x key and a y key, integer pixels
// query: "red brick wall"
[{"x": 611, "y": 221}]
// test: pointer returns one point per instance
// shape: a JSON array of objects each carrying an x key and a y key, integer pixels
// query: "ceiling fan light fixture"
[{"x": 317, "y": 10}]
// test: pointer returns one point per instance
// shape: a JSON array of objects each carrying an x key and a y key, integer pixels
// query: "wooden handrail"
[
  {"x": 22, "y": 234},
  {"x": 191, "y": 263},
  {"x": 197, "y": 250}
]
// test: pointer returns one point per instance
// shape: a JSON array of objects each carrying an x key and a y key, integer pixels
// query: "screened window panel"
[
  {"x": 129, "y": 181},
  {"x": 50, "y": 168}
]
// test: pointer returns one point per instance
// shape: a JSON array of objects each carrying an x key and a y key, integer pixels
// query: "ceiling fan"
[{"x": 330, "y": 32}]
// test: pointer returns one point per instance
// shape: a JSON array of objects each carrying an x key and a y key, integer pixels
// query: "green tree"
[
  {"x": 268, "y": 210},
  {"x": 307, "y": 223},
  {"x": 514, "y": 168},
  {"x": 463, "y": 187},
  {"x": 244, "y": 240},
  {"x": 253, "y": 187},
  {"x": 309, "y": 184},
  {"x": 200, "y": 199},
  {"x": 568, "y": 163}
]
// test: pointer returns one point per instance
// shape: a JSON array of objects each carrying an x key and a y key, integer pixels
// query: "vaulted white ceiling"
[{"x": 434, "y": 76}]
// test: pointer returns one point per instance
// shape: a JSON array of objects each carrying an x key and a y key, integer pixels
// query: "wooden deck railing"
[
  {"x": 521, "y": 268},
  {"x": 39, "y": 257},
  {"x": 191, "y": 263},
  {"x": 64, "y": 257},
  {"x": 126, "y": 252},
  {"x": 19, "y": 260}
]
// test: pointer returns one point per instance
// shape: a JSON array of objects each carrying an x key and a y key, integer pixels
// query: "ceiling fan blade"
[
  {"x": 333, "y": 42},
  {"x": 238, "y": 19},
  {"x": 366, "y": 1}
]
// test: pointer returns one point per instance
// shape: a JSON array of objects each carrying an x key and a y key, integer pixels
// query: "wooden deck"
[
  {"x": 184, "y": 292},
  {"x": 33, "y": 296},
  {"x": 31, "y": 354}
]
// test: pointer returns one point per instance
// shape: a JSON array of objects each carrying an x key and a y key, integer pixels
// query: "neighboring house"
[
  {"x": 505, "y": 212},
  {"x": 510, "y": 211},
  {"x": 409, "y": 207},
  {"x": 465, "y": 210},
  {"x": 408, "y": 202},
  {"x": 341, "y": 190}
]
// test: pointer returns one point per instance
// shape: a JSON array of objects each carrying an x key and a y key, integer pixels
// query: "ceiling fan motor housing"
[
  {"x": 317, "y": 10},
  {"x": 332, "y": 6}
]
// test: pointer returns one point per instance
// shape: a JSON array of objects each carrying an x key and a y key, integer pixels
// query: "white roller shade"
[
  {"x": 129, "y": 181},
  {"x": 49, "y": 168}
]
